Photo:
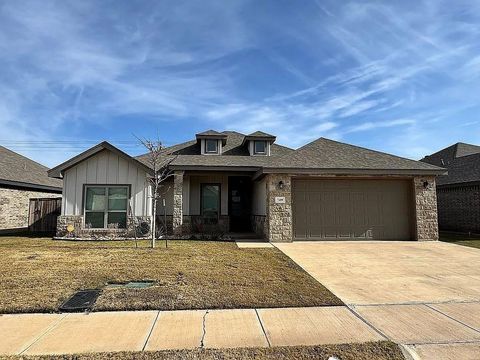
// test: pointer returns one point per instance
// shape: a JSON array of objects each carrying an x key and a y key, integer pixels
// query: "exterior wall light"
[
  {"x": 281, "y": 185},
  {"x": 425, "y": 184}
]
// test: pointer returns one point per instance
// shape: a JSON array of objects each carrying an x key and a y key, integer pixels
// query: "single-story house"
[
  {"x": 22, "y": 179},
  {"x": 458, "y": 193},
  {"x": 325, "y": 190}
]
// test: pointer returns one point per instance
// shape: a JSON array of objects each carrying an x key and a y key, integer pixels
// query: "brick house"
[
  {"x": 22, "y": 179},
  {"x": 458, "y": 193},
  {"x": 236, "y": 183}
]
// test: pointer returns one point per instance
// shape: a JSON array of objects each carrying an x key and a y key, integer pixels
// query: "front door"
[{"x": 239, "y": 205}]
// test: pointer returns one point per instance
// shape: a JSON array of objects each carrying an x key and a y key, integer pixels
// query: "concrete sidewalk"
[{"x": 47, "y": 334}]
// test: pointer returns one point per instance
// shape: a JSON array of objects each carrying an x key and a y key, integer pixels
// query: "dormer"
[
  {"x": 211, "y": 142},
  {"x": 259, "y": 143}
]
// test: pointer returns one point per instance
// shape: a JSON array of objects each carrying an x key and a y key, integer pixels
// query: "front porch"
[{"x": 213, "y": 203}]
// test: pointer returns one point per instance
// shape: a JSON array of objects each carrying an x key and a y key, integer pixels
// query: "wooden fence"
[{"x": 43, "y": 213}]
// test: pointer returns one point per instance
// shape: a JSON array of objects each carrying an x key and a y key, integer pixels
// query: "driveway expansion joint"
[
  {"x": 453, "y": 342},
  {"x": 352, "y": 310},
  {"x": 452, "y": 318}
]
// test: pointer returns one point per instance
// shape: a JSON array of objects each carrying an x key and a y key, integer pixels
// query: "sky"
[{"x": 396, "y": 76}]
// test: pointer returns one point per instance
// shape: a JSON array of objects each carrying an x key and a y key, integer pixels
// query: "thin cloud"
[
  {"x": 366, "y": 126},
  {"x": 327, "y": 68}
]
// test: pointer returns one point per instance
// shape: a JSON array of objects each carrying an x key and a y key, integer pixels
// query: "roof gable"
[{"x": 58, "y": 170}]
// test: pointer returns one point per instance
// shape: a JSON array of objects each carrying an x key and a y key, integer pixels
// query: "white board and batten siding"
[{"x": 106, "y": 168}]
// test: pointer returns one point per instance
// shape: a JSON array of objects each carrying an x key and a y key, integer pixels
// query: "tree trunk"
[{"x": 154, "y": 220}]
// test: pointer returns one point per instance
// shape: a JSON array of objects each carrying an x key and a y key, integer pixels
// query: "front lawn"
[
  {"x": 383, "y": 350},
  {"x": 461, "y": 239},
  {"x": 38, "y": 274}
]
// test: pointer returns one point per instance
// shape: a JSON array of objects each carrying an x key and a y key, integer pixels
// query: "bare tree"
[{"x": 159, "y": 162}]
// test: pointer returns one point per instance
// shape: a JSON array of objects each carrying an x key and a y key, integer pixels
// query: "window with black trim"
[
  {"x": 106, "y": 207},
  {"x": 260, "y": 147},
  {"x": 210, "y": 203},
  {"x": 211, "y": 146}
]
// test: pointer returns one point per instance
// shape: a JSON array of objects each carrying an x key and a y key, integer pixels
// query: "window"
[
  {"x": 106, "y": 207},
  {"x": 260, "y": 147},
  {"x": 211, "y": 146},
  {"x": 210, "y": 203}
]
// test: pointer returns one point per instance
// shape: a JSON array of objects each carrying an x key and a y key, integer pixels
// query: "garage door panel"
[
  {"x": 352, "y": 209},
  {"x": 328, "y": 210}
]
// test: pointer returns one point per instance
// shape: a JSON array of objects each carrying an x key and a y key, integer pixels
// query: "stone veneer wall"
[
  {"x": 177, "y": 219},
  {"x": 459, "y": 208},
  {"x": 194, "y": 224},
  {"x": 81, "y": 233},
  {"x": 426, "y": 208},
  {"x": 14, "y": 204},
  {"x": 279, "y": 216},
  {"x": 258, "y": 225}
]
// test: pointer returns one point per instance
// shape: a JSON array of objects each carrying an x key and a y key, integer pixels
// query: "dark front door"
[{"x": 239, "y": 195}]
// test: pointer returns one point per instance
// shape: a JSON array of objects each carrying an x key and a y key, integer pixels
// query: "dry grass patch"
[
  {"x": 461, "y": 239},
  {"x": 38, "y": 274},
  {"x": 383, "y": 350}
]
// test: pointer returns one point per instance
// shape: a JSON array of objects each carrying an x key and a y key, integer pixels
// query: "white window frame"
[
  {"x": 206, "y": 146},
  {"x": 106, "y": 210},
  {"x": 255, "y": 147}
]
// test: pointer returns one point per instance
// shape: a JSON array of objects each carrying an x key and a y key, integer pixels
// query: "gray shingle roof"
[
  {"x": 233, "y": 154},
  {"x": 461, "y": 160},
  {"x": 18, "y": 169},
  {"x": 328, "y": 154},
  {"x": 210, "y": 133},
  {"x": 260, "y": 134},
  {"x": 319, "y": 154}
]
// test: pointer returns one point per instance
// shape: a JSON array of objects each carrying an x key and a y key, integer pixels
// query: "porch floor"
[
  {"x": 243, "y": 236},
  {"x": 253, "y": 243}
]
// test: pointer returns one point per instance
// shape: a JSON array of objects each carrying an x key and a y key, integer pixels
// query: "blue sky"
[{"x": 397, "y": 76}]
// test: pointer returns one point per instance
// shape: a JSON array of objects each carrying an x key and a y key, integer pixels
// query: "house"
[
  {"x": 458, "y": 193},
  {"x": 22, "y": 179},
  {"x": 325, "y": 190}
]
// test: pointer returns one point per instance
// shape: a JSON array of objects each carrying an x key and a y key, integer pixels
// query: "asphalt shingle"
[
  {"x": 319, "y": 154},
  {"x": 461, "y": 160},
  {"x": 18, "y": 168}
]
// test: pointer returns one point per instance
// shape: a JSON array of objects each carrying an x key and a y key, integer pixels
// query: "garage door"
[{"x": 352, "y": 209}]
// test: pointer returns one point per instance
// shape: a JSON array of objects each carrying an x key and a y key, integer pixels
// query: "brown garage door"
[{"x": 352, "y": 209}]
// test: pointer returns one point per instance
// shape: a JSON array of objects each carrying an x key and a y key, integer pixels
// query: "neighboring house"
[
  {"x": 22, "y": 179},
  {"x": 458, "y": 193},
  {"x": 325, "y": 190}
]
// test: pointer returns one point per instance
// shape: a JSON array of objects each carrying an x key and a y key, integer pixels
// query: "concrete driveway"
[{"x": 424, "y": 295}]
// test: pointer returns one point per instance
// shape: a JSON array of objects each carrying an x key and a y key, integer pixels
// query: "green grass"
[
  {"x": 383, "y": 350},
  {"x": 38, "y": 274},
  {"x": 461, "y": 239}
]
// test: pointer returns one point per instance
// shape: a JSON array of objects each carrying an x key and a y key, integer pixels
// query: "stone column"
[
  {"x": 177, "y": 219},
  {"x": 426, "y": 208},
  {"x": 279, "y": 208}
]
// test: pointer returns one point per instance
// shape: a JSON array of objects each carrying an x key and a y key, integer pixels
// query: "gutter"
[
  {"x": 20, "y": 184},
  {"x": 333, "y": 171},
  {"x": 214, "y": 168}
]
